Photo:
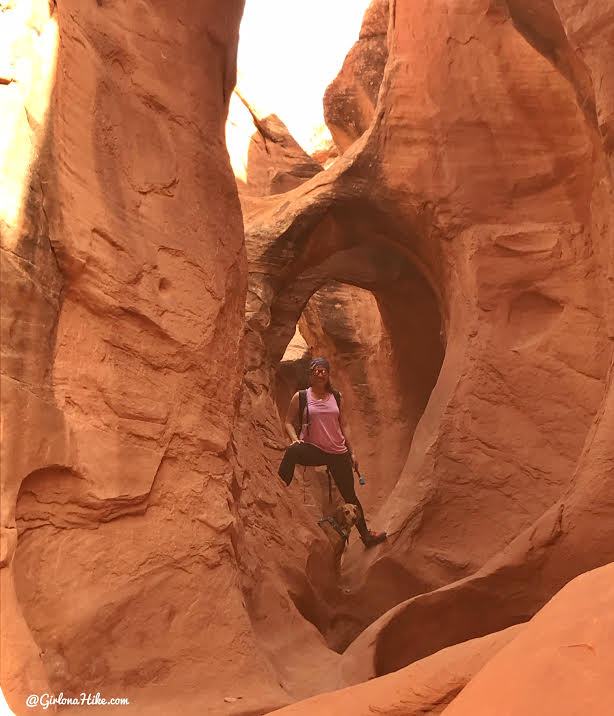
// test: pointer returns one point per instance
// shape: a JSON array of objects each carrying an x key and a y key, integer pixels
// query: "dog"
[{"x": 337, "y": 529}]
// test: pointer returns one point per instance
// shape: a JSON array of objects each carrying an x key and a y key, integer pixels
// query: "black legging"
[{"x": 340, "y": 466}]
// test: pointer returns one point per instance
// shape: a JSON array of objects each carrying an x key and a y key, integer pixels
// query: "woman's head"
[{"x": 319, "y": 374}]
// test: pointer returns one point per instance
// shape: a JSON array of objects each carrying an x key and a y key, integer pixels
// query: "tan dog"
[{"x": 338, "y": 528}]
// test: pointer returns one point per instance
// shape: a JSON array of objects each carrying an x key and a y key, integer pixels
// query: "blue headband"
[{"x": 320, "y": 361}]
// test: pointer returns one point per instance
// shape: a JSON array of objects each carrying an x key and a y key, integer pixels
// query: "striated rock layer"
[{"x": 125, "y": 279}]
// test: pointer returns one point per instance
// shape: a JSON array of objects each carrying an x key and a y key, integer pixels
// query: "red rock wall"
[
  {"x": 482, "y": 169},
  {"x": 129, "y": 288},
  {"x": 551, "y": 666},
  {"x": 492, "y": 156},
  {"x": 351, "y": 98}
]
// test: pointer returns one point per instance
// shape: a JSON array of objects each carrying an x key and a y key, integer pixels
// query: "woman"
[{"x": 324, "y": 441}]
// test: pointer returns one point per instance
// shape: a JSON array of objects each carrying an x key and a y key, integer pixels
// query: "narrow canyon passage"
[
  {"x": 384, "y": 400},
  {"x": 385, "y": 349},
  {"x": 361, "y": 302},
  {"x": 370, "y": 357}
]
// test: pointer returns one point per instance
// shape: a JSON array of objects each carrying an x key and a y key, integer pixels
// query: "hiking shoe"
[{"x": 372, "y": 538}]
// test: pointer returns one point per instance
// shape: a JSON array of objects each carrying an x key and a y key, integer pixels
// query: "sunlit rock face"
[
  {"x": 31, "y": 286},
  {"x": 265, "y": 158},
  {"x": 29, "y": 37},
  {"x": 540, "y": 669},
  {"x": 350, "y": 100},
  {"x": 126, "y": 280}
]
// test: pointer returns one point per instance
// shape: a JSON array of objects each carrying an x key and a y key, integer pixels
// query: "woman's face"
[{"x": 319, "y": 376}]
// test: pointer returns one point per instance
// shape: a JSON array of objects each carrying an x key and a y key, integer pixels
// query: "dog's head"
[{"x": 346, "y": 516}]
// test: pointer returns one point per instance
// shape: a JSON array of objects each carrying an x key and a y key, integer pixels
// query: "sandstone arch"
[{"x": 500, "y": 238}]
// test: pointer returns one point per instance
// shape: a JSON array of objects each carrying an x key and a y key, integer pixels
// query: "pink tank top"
[{"x": 324, "y": 430}]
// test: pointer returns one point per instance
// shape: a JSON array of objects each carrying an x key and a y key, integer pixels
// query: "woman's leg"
[
  {"x": 341, "y": 469},
  {"x": 300, "y": 454}
]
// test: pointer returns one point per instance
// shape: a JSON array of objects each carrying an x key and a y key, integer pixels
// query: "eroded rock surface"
[
  {"x": 498, "y": 192},
  {"x": 560, "y": 663},
  {"x": 266, "y": 158},
  {"x": 350, "y": 100},
  {"x": 125, "y": 278},
  {"x": 557, "y": 663},
  {"x": 426, "y": 687}
]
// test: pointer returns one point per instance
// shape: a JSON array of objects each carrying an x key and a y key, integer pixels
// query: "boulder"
[
  {"x": 425, "y": 687},
  {"x": 560, "y": 663}
]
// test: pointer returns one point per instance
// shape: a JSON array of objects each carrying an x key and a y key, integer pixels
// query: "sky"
[{"x": 290, "y": 51}]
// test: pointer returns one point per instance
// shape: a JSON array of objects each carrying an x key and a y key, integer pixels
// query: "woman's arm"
[
  {"x": 345, "y": 429},
  {"x": 292, "y": 419}
]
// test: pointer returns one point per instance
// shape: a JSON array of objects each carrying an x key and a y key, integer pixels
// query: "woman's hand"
[
  {"x": 355, "y": 463},
  {"x": 296, "y": 441},
  {"x": 292, "y": 419}
]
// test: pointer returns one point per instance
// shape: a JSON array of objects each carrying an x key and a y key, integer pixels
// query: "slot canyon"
[{"x": 449, "y": 249}]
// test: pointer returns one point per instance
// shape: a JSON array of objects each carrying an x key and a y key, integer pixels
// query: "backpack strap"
[{"x": 302, "y": 407}]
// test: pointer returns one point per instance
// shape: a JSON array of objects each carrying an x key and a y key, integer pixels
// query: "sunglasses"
[{"x": 319, "y": 371}]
